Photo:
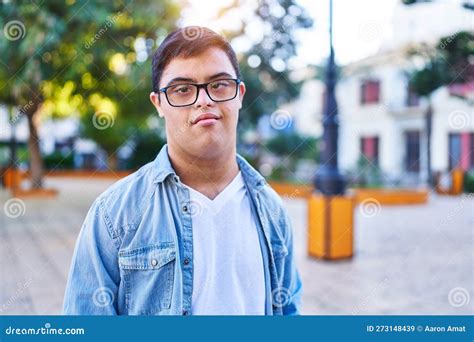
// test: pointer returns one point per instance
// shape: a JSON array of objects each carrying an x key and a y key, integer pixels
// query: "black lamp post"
[{"x": 328, "y": 180}]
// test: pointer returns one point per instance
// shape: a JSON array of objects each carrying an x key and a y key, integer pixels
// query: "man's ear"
[
  {"x": 242, "y": 91},
  {"x": 155, "y": 100}
]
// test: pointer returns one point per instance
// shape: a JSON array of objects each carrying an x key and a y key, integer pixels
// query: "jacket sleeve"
[
  {"x": 92, "y": 286},
  {"x": 291, "y": 278}
]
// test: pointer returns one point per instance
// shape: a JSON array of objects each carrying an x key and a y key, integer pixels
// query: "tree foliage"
[{"x": 79, "y": 57}]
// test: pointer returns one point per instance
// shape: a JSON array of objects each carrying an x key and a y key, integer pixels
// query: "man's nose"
[{"x": 203, "y": 99}]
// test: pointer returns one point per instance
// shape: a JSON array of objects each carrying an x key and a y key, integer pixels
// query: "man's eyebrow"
[
  {"x": 181, "y": 79},
  {"x": 191, "y": 80},
  {"x": 220, "y": 74}
]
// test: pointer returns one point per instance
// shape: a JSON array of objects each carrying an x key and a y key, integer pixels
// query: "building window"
[
  {"x": 412, "y": 99},
  {"x": 471, "y": 151},
  {"x": 369, "y": 148},
  {"x": 462, "y": 90},
  {"x": 370, "y": 92},
  {"x": 412, "y": 151},
  {"x": 461, "y": 148}
]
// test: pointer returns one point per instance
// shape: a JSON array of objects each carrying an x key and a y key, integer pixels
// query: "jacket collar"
[
  {"x": 162, "y": 165},
  {"x": 163, "y": 168}
]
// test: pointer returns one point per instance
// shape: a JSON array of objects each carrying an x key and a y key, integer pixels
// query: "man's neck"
[{"x": 209, "y": 176}]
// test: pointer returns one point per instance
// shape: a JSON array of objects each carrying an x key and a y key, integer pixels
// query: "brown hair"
[{"x": 188, "y": 42}]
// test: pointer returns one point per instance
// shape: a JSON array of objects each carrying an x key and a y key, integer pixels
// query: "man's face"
[{"x": 186, "y": 127}]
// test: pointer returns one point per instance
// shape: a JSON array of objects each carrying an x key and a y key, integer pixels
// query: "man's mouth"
[{"x": 205, "y": 119}]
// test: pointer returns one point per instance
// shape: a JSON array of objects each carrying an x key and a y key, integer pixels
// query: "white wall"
[{"x": 451, "y": 115}]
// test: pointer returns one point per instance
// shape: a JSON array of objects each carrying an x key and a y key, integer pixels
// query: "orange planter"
[
  {"x": 330, "y": 226},
  {"x": 12, "y": 178},
  {"x": 456, "y": 185},
  {"x": 292, "y": 190},
  {"x": 88, "y": 174},
  {"x": 392, "y": 196},
  {"x": 457, "y": 182},
  {"x": 34, "y": 193}
]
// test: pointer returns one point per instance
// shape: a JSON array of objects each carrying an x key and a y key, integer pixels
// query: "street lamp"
[
  {"x": 328, "y": 179},
  {"x": 330, "y": 210}
]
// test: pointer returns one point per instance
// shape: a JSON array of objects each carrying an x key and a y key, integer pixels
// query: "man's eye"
[
  {"x": 181, "y": 89},
  {"x": 219, "y": 84}
]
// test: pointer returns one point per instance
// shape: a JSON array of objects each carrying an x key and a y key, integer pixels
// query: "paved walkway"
[{"x": 408, "y": 259}]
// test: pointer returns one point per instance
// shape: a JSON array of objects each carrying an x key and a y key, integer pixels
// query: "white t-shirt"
[{"x": 228, "y": 276}]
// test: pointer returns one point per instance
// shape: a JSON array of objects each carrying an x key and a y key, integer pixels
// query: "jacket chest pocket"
[{"x": 147, "y": 275}]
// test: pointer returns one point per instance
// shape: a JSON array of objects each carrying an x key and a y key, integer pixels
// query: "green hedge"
[
  {"x": 59, "y": 161},
  {"x": 469, "y": 182}
]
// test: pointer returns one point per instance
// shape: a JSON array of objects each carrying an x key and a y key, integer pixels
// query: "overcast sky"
[{"x": 359, "y": 26}]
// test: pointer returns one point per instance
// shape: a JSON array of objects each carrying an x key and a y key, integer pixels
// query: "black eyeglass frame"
[{"x": 199, "y": 87}]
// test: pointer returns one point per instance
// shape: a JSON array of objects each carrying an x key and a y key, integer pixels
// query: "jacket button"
[
  {"x": 186, "y": 261},
  {"x": 185, "y": 208},
  {"x": 154, "y": 262}
]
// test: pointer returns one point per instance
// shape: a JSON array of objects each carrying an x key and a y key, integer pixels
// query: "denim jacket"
[{"x": 134, "y": 254}]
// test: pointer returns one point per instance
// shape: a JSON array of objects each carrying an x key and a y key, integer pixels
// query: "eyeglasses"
[{"x": 186, "y": 94}]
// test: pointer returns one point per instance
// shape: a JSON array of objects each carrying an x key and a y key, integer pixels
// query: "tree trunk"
[
  {"x": 36, "y": 162},
  {"x": 428, "y": 119},
  {"x": 112, "y": 161}
]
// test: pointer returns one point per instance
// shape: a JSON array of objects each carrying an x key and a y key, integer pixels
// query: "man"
[{"x": 197, "y": 231}]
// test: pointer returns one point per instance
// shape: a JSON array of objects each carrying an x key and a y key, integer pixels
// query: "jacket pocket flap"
[{"x": 147, "y": 258}]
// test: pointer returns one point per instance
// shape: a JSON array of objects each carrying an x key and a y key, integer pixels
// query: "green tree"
[
  {"x": 270, "y": 75},
  {"x": 146, "y": 146},
  {"x": 291, "y": 147},
  {"x": 271, "y": 27},
  {"x": 446, "y": 63},
  {"x": 95, "y": 50},
  {"x": 265, "y": 66}
]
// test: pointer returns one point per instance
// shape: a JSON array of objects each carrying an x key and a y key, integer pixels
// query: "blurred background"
[{"x": 75, "y": 77}]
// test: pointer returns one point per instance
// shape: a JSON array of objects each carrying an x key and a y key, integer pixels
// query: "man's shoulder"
[
  {"x": 126, "y": 199},
  {"x": 137, "y": 181},
  {"x": 254, "y": 179}
]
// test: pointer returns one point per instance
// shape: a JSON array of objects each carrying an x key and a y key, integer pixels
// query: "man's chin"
[{"x": 211, "y": 147}]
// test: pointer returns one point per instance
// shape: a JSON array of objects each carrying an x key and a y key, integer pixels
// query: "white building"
[{"x": 381, "y": 119}]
